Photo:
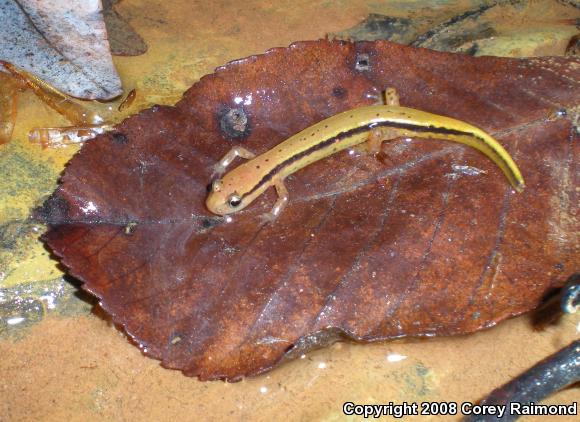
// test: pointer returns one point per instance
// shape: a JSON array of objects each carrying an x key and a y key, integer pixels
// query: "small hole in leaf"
[
  {"x": 362, "y": 62},
  {"x": 339, "y": 92},
  {"x": 208, "y": 223},
  {"x": 234, "y": 122},
  {"x": 119, "y": 138}
]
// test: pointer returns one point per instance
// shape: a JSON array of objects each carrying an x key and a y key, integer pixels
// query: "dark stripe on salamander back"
[{"x": 355, "y": 131}]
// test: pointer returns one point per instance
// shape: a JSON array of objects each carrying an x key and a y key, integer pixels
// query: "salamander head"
[{"x": 223, "y": 200}]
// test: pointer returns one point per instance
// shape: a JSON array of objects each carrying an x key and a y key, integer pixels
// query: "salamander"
[{"x": 369, "y": 126}]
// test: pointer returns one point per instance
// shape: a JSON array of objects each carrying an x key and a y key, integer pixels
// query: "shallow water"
[{"x": 60, "y": 361}]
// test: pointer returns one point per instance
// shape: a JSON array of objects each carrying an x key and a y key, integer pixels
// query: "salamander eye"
[{"x": 234, "y": 201}]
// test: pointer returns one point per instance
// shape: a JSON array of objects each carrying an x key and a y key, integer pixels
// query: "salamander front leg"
[
  {"x": 220, "y": 167},
  {"x": 391, "y": 97},
  {"x": 279, "y": 205}
]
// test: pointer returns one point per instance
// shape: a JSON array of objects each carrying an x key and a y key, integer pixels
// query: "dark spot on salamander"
[{"x": 119, "y": 138}]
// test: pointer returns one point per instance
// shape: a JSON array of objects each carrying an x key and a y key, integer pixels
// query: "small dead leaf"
[
  {"x": 123, "y": 39},
  {"x": 381, "y": 27},
  {"x": 128, "y": 101},
  {"x": 63, "y": 42}
]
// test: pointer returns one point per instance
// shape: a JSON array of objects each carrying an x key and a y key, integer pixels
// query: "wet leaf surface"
[{"x": 367, "y": 249}]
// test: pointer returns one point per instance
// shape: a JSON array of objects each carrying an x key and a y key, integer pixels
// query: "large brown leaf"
[{"x": 410, "y": 245}]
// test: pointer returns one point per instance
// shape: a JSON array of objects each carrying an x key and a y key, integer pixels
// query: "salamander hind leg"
[
  {"x": 376, "y": 138},
  {"x": 220, "y": 167},
  {"x": 280, "y": 204}
]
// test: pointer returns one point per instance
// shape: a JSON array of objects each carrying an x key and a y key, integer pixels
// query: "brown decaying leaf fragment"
[
  {"x": 128, "y": 101},
  {"x": 55, "y": 137},
  {"x": 364, "y": 250},
  {"x": 82, "y": 115},
  {"x": 55, "y": 99},
  {"x": 123, "y": 39}
]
